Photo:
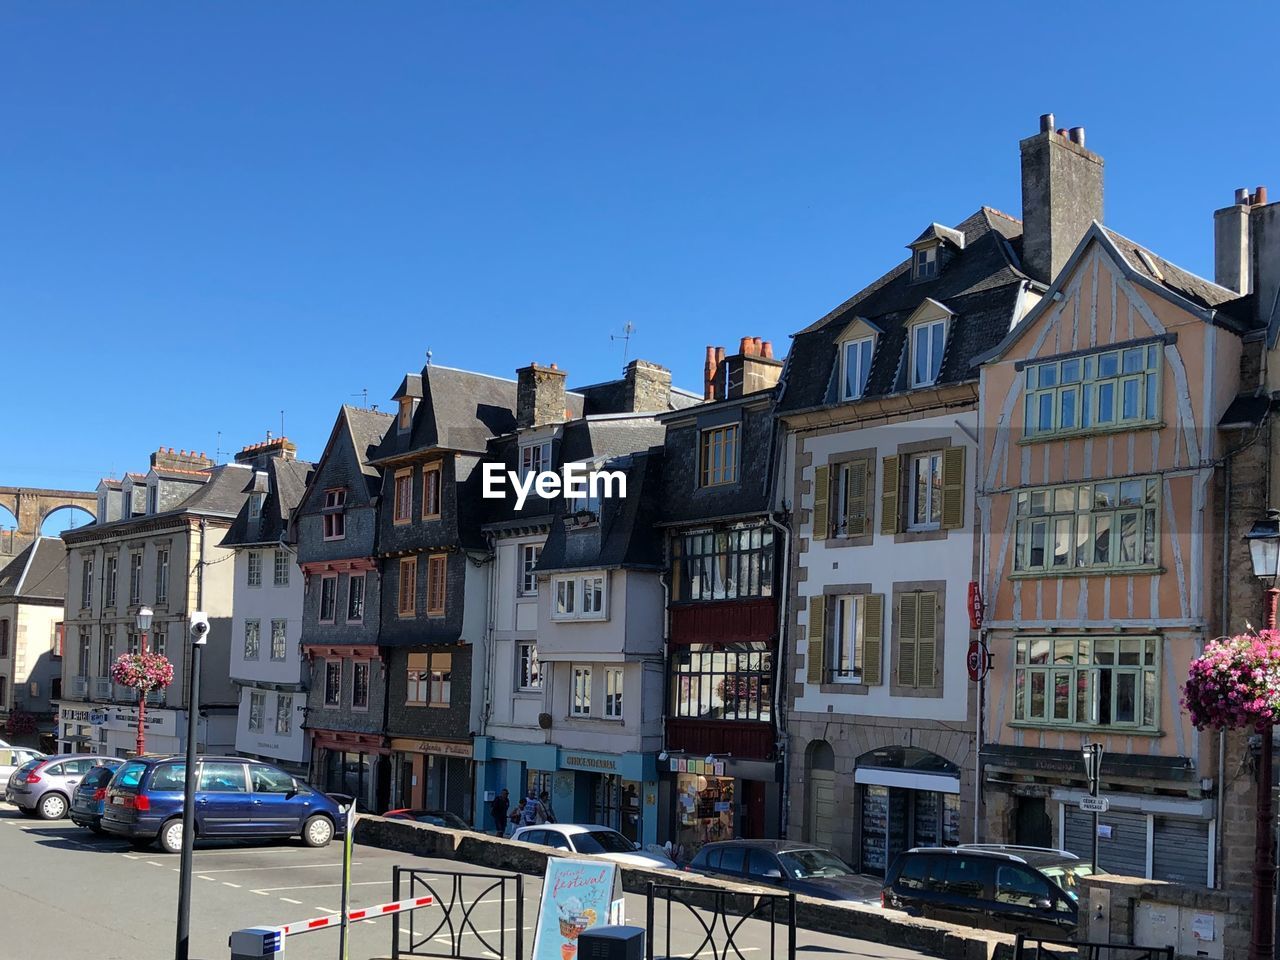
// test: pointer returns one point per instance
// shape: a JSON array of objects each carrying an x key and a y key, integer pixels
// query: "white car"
[
  {"x": 11, "y": 758},
  {"x": 594, "y": 839}
]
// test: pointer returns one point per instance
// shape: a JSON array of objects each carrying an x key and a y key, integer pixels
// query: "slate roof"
[
  {"x": 460, "y": 410},
  {"x": 284, "y": 482},
  {"x": 38, "y": 572},
  {"x": 980, "y": 284},
  {"x": 367, "y": 428},
  {"x": 625, "y": 534}
]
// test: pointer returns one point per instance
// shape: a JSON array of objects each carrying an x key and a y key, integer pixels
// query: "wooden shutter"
[
  {"x": 908, "y": 621},
  {"x": 855, "y": 498},
  {"x": 821, "y": 502},
  {"x": 926, "y": 639},
  {"x": 872, "y": 638},
  {"x": 953, "y": 488},
  {"x": 889, "y": 485},
  {"x": 817, "y": 659}
]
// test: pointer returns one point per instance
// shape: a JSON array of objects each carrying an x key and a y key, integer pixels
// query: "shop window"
[
  {"x": 705, "y": 807},
  {"x": 728, "y": 564},
  {"x": 725, "y": 682}
]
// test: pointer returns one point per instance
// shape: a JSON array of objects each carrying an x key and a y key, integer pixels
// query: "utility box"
[
  {"x": 611, "y": 943},
  {"x": 1191, "y": 932},
  {"x": 256, "y": 943}
]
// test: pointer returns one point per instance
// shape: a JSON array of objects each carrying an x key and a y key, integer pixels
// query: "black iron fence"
[
  {"x": 719, "y": 917},
  {"x": 1036, "y": 948},
  {"x": 455, "y": 927}
]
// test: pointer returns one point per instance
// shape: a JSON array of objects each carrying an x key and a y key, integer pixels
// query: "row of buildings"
[{"x": 876, "y": 594}]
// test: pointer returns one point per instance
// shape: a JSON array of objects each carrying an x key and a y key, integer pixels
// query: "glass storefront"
[
  {"x": 705, "y": 808},
  {"x": 896, "y": 819},
  {"x": 348, "y": 773},
  {"x": 616, "y": 803}
]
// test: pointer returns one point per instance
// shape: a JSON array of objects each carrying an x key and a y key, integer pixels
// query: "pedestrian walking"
[{"x": 498, "y": 810}]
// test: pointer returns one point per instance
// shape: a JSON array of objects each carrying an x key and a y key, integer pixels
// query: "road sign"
[{"x": 1095, "y": 804}]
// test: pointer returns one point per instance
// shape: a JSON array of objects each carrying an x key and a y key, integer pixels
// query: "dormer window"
[
  {"x": 534, "y": 458},
  {"x": 927, "y": 342},
  {"x": 153, "y": 498},
  {"x": 925, "y": 263},
  {"x": 255, "y": 505},
  {"x": 335, "y": 519},
  {"x": 855, "y": 360},
  {"x": 406, "y": 414}
]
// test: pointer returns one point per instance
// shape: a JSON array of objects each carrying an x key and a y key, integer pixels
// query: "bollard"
[{"x": 257, "y": 943}]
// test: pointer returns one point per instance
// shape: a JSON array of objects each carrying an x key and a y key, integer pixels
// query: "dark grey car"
[
  {"x": 43, "y": 786},
  {"x": 798, "y": 867}
]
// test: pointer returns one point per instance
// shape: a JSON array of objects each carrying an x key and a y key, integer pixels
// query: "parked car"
[
  {"x": 799, "y": 867},
  {"x": 90, "y": 795},
  {"x": 42, "y": 786},
  {"x": 234, "y": 798},
  {"x": 11, "y": 758},
  {"x": 591, "y": 838},
  {"x": 1030, "y": 891},
  {"x": 435, "y": 818}
]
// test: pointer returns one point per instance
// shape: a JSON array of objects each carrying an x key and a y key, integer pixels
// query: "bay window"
[
  {"x": 1094, "y": 392},
  {"x": 1090, "y": 527},
  {"x": 1089, "y": 682},
  {"x": 723, "y": 682},
  {"x": 727, "y": 564}
]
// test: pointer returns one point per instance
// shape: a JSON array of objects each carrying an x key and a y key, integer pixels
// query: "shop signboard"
[{"x": 576, "y": 895}]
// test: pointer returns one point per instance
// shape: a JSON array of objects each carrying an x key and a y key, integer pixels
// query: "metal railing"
[
  {"x": 721, "y": 915},
  {"x": 102, "y": 688},
  {"x": 454, "y": 934},
  {"x": 80, "y": 687},
  {"x": 1049, "y": 949}
]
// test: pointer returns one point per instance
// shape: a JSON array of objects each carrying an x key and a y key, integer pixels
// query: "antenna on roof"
[
  {"x": 281, "y": 424},
  {"x": 218, "y": 451},
  {"x": 628, "y": 329},
  {"x": 364, "y": 398}
]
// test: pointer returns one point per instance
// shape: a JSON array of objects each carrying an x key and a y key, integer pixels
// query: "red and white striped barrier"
[{"x": 363, "y": 913}]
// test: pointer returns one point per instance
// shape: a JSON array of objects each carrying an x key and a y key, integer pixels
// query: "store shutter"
[
  {"x": 1181, "y": 853},
  {"x": 817, "y": 656},
  {"x": 821, "y": 502},
  {"x": 1123, "y": 853},
  {"x": 872, "y": 638}
]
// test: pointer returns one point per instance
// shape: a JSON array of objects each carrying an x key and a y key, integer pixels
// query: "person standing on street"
[{"x": 498, "y": 811}]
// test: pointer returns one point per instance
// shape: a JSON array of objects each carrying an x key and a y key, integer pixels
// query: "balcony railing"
[
  {"x": 102, "y": 688},
  {"x": 80, "y": 687}
]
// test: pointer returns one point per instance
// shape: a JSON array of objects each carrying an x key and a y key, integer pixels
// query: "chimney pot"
[
  {"x": 744, "y": 344},
  {"x": 1062, "y": 131},
  {"x": 1242, "y": 196},
  {"x": 1261, "y": 197},
  {"x": 1046, "y": 122},
  {"x": 766, "y": 349},
  {"x": 1077, "y": 135}
]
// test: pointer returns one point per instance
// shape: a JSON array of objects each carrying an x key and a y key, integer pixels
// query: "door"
[
  {"x": 223, "y": 803},
  {"x": 277, "y": 809},
  {"x": 822, "y": 806},
  {"x": 752, "y": 810},
  {"x": 1031, "y": 826}
]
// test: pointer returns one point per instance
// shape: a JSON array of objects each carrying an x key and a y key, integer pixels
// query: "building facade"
[
  {"x": 33, "y": 588},
  {"x": 335, "y": 534},
  {"x": 266, "y": 621}
]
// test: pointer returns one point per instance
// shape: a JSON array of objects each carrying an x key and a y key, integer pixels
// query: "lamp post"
[
  {"x": 1092, "y": 753},
  {"x": 144, "y": 624},
  {"x": 1264, "y": 551}
]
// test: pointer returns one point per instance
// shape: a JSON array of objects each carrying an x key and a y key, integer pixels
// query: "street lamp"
[
  {"x": 144, "y": 624},
  {"x": 1092, "y": 754},
  {"x": 1264, "y": 550}
]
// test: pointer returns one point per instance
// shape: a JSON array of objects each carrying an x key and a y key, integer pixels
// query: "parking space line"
[
  {"x": 152, "y": 863},
  {"x": 323, "y": 886},
  {"x": 132, "y": 856},
  {"x": 292, "y": 866},
  {"x": 203, "y": 877},
  {"x": 287, "y": 899},
  {"x": 228, "y": 883},
  {"x": 261, "y": 893}
]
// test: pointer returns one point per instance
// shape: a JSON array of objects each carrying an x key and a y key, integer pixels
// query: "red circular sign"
[{"x": 978, "y": 660}]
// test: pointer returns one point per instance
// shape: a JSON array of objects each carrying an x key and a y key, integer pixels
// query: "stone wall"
[{"x": 1121, "y": 910}]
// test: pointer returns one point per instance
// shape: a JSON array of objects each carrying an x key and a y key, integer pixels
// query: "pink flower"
[{"x": 1235, "y": 683}]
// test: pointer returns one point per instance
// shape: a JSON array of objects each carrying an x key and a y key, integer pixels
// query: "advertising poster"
[{"x": 576, "y": 895}]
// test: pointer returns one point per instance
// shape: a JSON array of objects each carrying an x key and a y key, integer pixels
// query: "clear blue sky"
[{"x": 212, "y": 212}]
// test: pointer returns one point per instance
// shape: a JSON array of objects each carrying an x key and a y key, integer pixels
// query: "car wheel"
[
  {"x": 171, "y": 836},
  {"x": 52, "y": 806},
  {"x": 317, "y": 831}
]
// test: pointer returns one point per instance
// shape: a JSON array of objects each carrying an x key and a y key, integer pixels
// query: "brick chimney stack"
[
  {"x": 752, "y": 369},
  {"x": 540, "y": 396},
  {"x": 646, "y": 387},
  {"x": 166, "y": 458},
  {"x": 1061, "y": 196},
  {"x": 258, "y": 454}
]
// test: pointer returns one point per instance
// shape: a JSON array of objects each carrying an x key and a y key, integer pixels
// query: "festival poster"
[{"x": 576, "y": 895}]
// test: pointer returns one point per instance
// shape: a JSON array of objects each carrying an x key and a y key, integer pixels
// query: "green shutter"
[
  {"x": 908, "y": 621},
  {"x": 872, "y": 638},
  {"x": 953, "y": 488},
  {"x": 855, "y": 499},
  {"x": 821, "y": 502},
  {"x": 889, "y": 484},
  {"x": 817, "y": 660},
  {"x": 927, "y": 640}
]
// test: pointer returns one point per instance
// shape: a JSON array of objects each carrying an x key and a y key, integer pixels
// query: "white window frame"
[
  {"x": 110, "y": 580},
  {"x": 934, "y": 362},
  {"x": 257, "y": 709},
  {"x": 253, "y": 569},
  {"x": 135, "y": 577},
  {"x": 86, "y": 581},
  {"x": 580, "y": 690},
  {"x": 569, "y": 597},
  {"x": 933, "y": 490},
  {"x": 252, "y": 639},
  {"x": 279, "y": 632},
  {"x": 356, "y": 666},
  {"x": 534, "y": 457},
  {"x": 528, "y": 669},
  {"x": 280, "y": 568},
  {"x": 853, "y": 350},
  {"x": 256, "y": 499},
  {"x": 924, "y": 262},
  {"x": 335, "y": 513},
  {"x": 352, "y": 580},
  {"x": 162, "y": 575},
  {"x": 846, "y": 638},
  {"x": 284, "y": 712},
  {"x": 153, "y": 498},
  {"x": 530, "y": 553},
  {"x": 613, "y": 689},
  {"x": 337, "y": 698}
]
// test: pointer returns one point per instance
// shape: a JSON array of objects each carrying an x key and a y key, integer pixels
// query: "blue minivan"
[{"x": 234, "y": 797}]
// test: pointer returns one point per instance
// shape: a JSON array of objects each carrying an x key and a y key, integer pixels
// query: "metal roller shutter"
[
  {"x": 1123, "y": 853},
  {"x": 1181, "y": 853}
]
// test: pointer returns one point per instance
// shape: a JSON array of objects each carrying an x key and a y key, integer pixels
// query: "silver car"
[
  {"x": 43, "y": 785},
  {"x": 11, "y": 758}
]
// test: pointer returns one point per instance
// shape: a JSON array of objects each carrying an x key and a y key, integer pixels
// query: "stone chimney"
[
  {"x": 646, "y": 387},
  {"x": 540, "y": 396},
  {"x": 166, "y": 458},
  {"x": 1264, "y": 266},
  {"x": 257, "y": 454},
  {"x": 750, "y": 370},
  {"x": 1231, "y": 243},
  {"x": 1061, "y": 196}
]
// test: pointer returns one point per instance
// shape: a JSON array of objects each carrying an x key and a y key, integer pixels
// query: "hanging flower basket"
[
  {"x": 142, "y": 671},
  {"x": 1235, "y": 683}
]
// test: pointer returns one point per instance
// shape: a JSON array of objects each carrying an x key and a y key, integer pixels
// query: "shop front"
[
  {"x": 512, "y": 766},
  {"x": 111, "y": 729},
  {"x": 434, "y": 775},
  {"x": 907, "y": 797},
  {"x": 355, "y": 764},
  {"x": 613, "y": 790},
  {"x": 721, "y": 799}
]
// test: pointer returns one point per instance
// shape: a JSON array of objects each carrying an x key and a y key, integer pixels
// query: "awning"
[{"x": 885, "y": 777}]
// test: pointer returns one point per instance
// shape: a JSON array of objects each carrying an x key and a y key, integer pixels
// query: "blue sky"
[{"x": 215, "y": 212}]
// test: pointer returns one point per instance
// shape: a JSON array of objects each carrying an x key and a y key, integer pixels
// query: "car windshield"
[
  {"x": 1068, "y": 875},
  {"x": 803, "y": 864},
  {"x": 602, "y": 841}
]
